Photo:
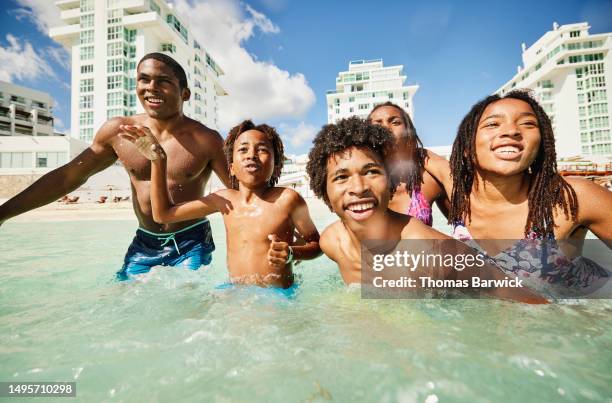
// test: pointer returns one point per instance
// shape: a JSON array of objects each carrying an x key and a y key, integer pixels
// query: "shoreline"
[{"x": 121, "y": 211}]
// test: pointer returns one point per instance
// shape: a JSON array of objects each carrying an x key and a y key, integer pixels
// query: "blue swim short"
[
  {"x": 288, "y": 293},
  {"x": 188, "y": 248}
]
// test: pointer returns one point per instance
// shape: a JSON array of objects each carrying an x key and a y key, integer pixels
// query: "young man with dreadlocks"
[
  {"x": 505, "y": 183},
  {"x": 417, "y": 189},
  {"x": 259, "y": 218}
]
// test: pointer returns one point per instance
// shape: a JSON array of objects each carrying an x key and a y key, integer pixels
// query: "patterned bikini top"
[
  {"x": 540, "y": 262},
  {"x": 420, "y": 207}
]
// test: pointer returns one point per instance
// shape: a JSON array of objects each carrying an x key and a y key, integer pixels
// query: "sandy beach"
[{"x": 109, "y": 211}]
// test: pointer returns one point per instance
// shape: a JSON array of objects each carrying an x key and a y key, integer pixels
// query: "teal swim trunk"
[
  {"x": 188, "y": 248},
  {"x": 288, "y": 293}
]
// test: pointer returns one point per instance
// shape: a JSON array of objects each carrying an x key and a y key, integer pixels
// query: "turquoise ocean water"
[{"x": 172, "y": 336}]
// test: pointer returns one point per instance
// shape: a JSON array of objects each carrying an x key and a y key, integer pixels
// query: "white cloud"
[
  {"x": 60, "y": 55},
  {"x": 297, "y": 135},
  {"x": 43, "y": 13},
  {"x": 20, "y": 61},
  {"x": 258, "y": 90}
]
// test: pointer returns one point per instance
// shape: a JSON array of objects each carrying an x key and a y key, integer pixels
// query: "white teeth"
[
  {"x": 155, "y": 100},
  {"x": 508, "y": 150},
  {"x": 360, "y": 206}
]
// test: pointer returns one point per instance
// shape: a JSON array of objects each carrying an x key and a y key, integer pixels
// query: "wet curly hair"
[
  {"x": 273, "y": 138},
  {"x": 333, "y": 139},
  {"x": 547, "y": 189}
]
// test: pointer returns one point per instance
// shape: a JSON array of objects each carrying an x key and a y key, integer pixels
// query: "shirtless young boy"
[
  {"x": 347, "y": 169},
  {"x": 259, "y": 218}
]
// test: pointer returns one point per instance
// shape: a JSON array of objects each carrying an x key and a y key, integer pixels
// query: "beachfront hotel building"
[
  {"x": 29, "y": 146},
  {"x": 24, "y": 111},
  {"x": 366, "y": 84},
  {"x": 106, "y": 39},
  {"x": 570, "y": 73}
]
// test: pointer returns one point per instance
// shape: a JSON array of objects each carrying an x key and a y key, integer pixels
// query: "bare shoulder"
[
  {"x": 202, "y": 132},
  {"x": 110, "y": 128},
  {"x": 330, "y": 237},
  {"x": 585, "y": 188},
  {"x": 415, "y": 229},
  {"x": 290, "y": 196}
]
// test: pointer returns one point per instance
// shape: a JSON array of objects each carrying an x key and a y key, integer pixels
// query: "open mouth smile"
[{"x": 361, "y": 209}]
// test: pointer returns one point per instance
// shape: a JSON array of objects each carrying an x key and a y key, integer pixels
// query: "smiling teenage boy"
[
  {"x": 348, "y": 170},
  {"x": 195, "y": 151}
]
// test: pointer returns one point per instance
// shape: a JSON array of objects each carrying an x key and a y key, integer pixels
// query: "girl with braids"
[
  {"x": 417, "y": 189},
  {"x": 505, "y": 185}
]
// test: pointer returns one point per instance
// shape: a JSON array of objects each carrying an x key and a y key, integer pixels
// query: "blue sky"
[{"x": 457, "y": 52}]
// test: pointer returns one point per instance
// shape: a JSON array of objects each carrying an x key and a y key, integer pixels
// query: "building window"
[
  {"x": 114, "y": 99},
  {"x": 364, "y": 106},
  {"x": 87, "y": 21},
  {"x": 111, "y": 113},
  {"x": 351, "y": 109},
  {"x": 129, "y": 35},
  {"x": 86, "y": 85},
  {"x": 114, "y": 32},
  {"x": 113, "y": 82},
  {"x": 87, "y": 52},
  {"x": 41, "y": 160},
  {"x": 86, "y": 118},
  {"x": 16, "y": 160},
  {"x": 86, "y": 37},
  {"x": 86, "y": 134},
  {"x": 574, "y": 34},
  {"x": 114, "y": 65},
  {"x": 168, "y": 47},
  {"x": 575, "y": 59},
  {"x": 88, "y": 68},
  {"x": 86, "y": 102},
  {"x": 178, "y": 27},
  {"x": 114, "y": 49},
  {"x": 87, "y": 5},
  {"x": 114, "y": 16}
]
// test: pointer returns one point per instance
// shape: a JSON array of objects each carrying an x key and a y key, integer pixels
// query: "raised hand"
[
  {"x": 144, "y": 141},
  {"x": 278, "y": 253}
]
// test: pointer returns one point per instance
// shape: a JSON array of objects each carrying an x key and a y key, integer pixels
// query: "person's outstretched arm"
[
  {"x": 66, "y": 178},
  {"x": 164, "y": 211}
]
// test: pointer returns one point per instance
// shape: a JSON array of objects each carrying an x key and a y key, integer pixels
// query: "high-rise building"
[
  {"x": 24, "y": 111},
  {"x": 366, "y": 84},
  {"x": 107, "y": 38},
  {"x": 570, "y": 73}
]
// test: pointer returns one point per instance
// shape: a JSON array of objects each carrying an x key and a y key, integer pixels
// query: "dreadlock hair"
[
  {"x": 547, "y": 189},
  {"x": 176, "y": 68},
  {"x": 333, "y": 139},
  {"x": 411, "y": 141},
  {"x": 271, "y": 135}
]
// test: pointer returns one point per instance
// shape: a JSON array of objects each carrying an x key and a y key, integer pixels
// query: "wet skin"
[
  {"x": 259, "y": 220},
  {"x": 358, "y": 192},
  {"x": 507, "y": 141},
  {"x": 194, "y": 151}
]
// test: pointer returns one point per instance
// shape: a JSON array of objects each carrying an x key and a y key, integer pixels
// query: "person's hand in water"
[
  {"x": 278, "y": 253},
  {"x": 144, "y": 141}
]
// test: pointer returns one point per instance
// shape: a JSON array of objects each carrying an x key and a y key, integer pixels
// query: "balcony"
[
  {"x": 67, "y": 4},
  {"x": 135, "y": 6},
  {"x": 65, "y": 35},
  {"x": 151, "y": 19},
  {"x": 71, "y": 16}
]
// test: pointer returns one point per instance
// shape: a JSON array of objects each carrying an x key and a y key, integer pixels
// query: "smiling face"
[
  {"x": 507, "y": 138},
  {"x": 252, "y": 159},
  {"x": 357, "y": 185},
  {"x": 390, "y": 118},
  {"x": 158, "y": 89}
]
